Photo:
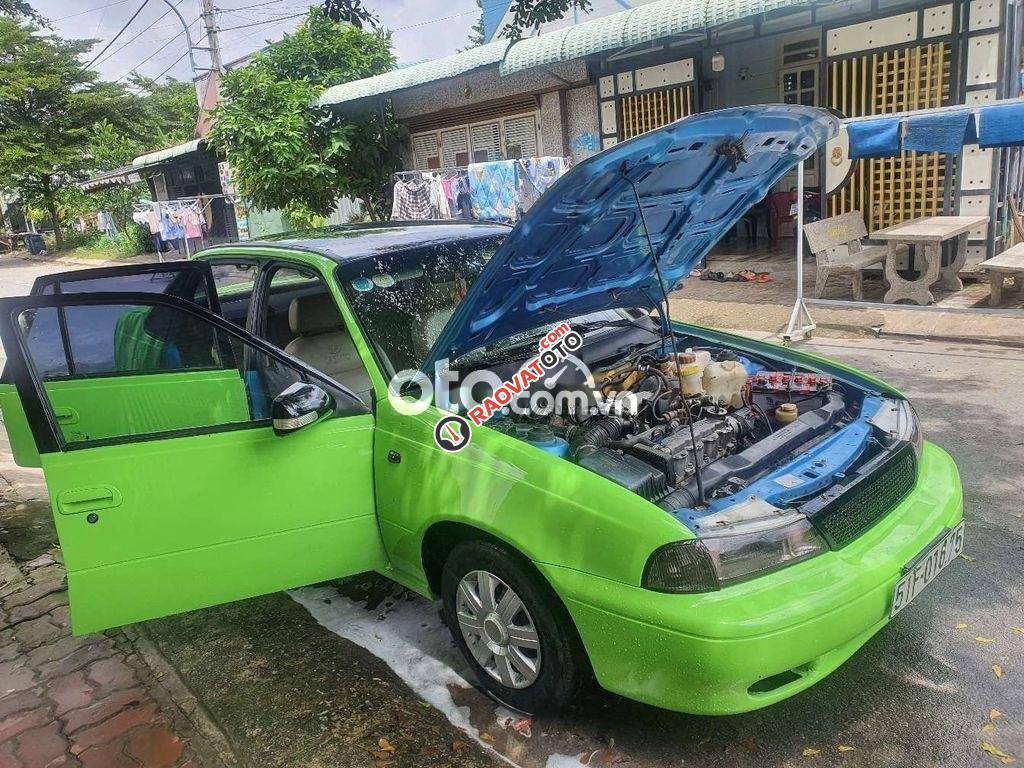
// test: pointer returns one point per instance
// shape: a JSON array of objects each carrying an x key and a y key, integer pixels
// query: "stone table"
[
  {"x": 1009, "y": 263},
  {"x": 927, "y": 234}
]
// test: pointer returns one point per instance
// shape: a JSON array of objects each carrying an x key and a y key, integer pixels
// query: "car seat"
[{"x": 324, "y": 342}]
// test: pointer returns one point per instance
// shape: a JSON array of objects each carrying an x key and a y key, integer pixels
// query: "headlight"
[
  {"x": 899, "y": 419},
  {"x": 739, "y": 552}
]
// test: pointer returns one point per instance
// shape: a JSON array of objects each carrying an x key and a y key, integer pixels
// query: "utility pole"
[{"x": 210, "y": 20}]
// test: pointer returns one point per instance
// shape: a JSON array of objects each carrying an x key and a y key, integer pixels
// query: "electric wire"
[
  {"x": 119, "y": 33},
  {"x": 139, "y": 34}
]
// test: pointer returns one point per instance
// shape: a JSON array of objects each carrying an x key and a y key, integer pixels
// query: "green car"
[{"x": 696, "y": 520}]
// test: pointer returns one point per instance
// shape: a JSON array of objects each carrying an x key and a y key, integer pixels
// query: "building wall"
[
  {"x": 583, "y": 130},
  {"x": 484, "y": 85}
]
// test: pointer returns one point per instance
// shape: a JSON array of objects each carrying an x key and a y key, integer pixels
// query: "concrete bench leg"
[
  {"x": 915, "y": 291},
  {"x": 950, "y": 276},
  {"x": 995, "y": 281}
]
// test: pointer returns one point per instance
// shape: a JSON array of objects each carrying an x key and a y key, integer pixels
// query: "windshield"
[{"x": 403, "y": 300}]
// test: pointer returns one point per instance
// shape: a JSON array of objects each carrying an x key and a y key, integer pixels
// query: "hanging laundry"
[
  {"x": 411, "y": 200},
  {"x": 439, "y": 208},
  {"x": 492, "y": 190},
  {"x": 535, "y": 175},
  {"x": 153, "y": 219},
  {"x": 191, "y": 219}
]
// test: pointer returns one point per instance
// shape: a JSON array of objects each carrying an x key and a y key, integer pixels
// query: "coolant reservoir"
[
  {"x": 724, "y": 382},
  {"x": 701, "y": 356}
]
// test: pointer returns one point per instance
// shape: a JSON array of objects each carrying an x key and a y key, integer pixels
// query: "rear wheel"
[{"x": 511, "y": 628}]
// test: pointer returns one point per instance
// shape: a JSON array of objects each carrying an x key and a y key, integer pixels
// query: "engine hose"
[{"x": 589, "y": 439}]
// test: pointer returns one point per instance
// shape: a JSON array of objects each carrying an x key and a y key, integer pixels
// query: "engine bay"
[{"x": 707, "y": 426}]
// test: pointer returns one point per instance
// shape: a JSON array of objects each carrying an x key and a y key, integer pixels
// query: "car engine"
[{"x": 657, "y": 421}]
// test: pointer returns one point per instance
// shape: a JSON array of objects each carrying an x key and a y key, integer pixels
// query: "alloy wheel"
[{"x": 498, "y": 629}]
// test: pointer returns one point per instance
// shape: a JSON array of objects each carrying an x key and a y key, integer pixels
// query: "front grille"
[{"x": 847, "y": 511}]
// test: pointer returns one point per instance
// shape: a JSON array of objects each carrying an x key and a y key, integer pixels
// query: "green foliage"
[
  {"x": 19, "y": 8},
  {"x": 477, "y": 35},
  {"x": 287, "y": 154},
  {"x": 49, "y": 107},
  {"x": 171, "y": 110},
  {"x": 530, "y": 14}
]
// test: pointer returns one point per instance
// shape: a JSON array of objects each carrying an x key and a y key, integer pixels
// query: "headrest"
[{"x": 318, "y": 313}]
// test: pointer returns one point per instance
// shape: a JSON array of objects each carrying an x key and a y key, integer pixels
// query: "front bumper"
[{"x": 761, "y": 641}]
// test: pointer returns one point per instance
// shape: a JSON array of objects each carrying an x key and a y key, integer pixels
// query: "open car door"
[
  {"x": 189, "y": 280},
  {"x": 169, "y": 487}
]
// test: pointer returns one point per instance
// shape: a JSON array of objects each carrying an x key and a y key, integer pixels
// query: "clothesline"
[
  {"x": 498, "y": 190},
  {"x": 175, "y": 222}
]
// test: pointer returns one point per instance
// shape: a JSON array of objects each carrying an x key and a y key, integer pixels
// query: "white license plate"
[{"x": 925, "y": 567}]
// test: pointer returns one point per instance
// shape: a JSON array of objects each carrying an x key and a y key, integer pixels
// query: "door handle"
[
  {"x": 74, "y": 501},
  {"x": 65, "y": 414}
]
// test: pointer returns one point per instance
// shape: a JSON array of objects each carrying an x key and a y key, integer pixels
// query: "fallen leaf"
[
  {"x": 968, "y": 558},
  {"x": 996, "y": 752},
  {"x": 485, "y": 736},
  {"x": 962, "y": 625},
  {"x": 1019, "y": 630},
  {"x": 997, "y": 670},
  {"x": 811, "y": 752},
  {"x": 458, "y": 746},
  {"x": 845, "y": 748},
  {"x": 994, "y": 714},
  {"x": 987, "y": 728},
  {"x": 385, "y": 745},
  {"x": 981, "y": 639}
]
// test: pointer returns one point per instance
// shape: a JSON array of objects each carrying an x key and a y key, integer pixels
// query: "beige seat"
[{"x": 325, "y": 344}]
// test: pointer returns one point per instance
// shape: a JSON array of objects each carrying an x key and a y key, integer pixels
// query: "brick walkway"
[{"x": 68, "y": 701}]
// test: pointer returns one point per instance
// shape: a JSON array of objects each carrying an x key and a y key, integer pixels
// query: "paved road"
[{"x": 293, "y": 692}]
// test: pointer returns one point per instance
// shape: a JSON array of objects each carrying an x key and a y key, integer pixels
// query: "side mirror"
[{"x": 299, "y": 406}]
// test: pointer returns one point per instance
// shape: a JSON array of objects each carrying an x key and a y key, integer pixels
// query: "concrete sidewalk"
[{"x": 92, "y": 701}]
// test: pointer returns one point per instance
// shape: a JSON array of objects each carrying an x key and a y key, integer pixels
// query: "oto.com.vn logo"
[{"x": 533, "y": 390}]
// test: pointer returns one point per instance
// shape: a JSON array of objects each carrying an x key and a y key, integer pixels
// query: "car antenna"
[{"x": 667, "y": 324}]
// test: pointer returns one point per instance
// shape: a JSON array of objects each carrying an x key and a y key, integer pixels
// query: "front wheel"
[{"x": 511, "y": 628}]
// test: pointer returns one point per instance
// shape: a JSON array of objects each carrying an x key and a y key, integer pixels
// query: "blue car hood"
[{"x": 582, "y": 246}]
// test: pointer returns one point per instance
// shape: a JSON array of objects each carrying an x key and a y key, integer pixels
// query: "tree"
[
  {"x": 530, "y": 14},
  {"x": 19, "y": 8},
  {"x": 171, "y": 110},
  {"x": 286, "y": 153},
  {"x": 49, "y": 107},
  {"x": 477, "y": 35}
]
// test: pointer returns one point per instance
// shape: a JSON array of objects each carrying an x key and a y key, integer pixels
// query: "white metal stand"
[{"x": 801, "y": 325}]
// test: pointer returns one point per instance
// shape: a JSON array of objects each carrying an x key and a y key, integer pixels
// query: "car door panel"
[
  {"x": 190, "y": 280},
  {"x": 170, "y": 493},
  {"x": 258, "y": 513}
]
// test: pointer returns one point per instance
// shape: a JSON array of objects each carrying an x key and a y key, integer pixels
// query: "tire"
[{"x": 560, "y": 664}]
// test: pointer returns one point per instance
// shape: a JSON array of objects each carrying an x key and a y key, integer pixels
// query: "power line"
[
  {"x": 140, "y": 33},
  {"x": 173, "y": 65},
  {"x": 258, "y": 23},
  {"x": 90, "y": 10},
  {"x": 119, "y": 33},
  {"x": 154, "y": 53}
]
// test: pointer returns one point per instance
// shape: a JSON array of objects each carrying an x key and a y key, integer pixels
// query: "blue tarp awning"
[{"x": 938, "y": 130}]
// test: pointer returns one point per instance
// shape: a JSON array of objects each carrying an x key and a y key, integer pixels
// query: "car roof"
[{"x": 350, "y": 242}]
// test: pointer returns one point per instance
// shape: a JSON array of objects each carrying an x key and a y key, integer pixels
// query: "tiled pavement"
[{"x": 69, "y": 702}]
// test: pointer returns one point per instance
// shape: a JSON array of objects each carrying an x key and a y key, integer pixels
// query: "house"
[{"x": 576, "y": 88}]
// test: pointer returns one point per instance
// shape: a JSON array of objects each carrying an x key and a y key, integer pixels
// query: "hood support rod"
[{"x": 666, "y": 325}]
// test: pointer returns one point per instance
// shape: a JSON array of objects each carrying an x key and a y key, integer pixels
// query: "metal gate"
[
  {"x": 646, "y": 111},
  {"x": 891, "y": 190}
]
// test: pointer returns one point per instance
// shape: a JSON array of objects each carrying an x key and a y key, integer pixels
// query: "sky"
[{"x": 154, "y": 46}]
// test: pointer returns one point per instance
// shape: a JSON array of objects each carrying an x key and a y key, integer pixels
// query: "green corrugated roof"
[
  {"x": 153, "y": 158},
  {"x": 633, "y": 27},
  {"x": 417, "y": 74},
  {"x": 653, "y": 21}
]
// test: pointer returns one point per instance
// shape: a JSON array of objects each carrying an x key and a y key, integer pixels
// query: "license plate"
[{"x": 925, "y": 567}]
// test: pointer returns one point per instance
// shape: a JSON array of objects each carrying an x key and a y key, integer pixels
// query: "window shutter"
[
  {"x": 454, "y": 148},
  {"x": 425, "y": 151},
  {"x": 486, "y": 142},
  {"x": 520, "y": 137}
]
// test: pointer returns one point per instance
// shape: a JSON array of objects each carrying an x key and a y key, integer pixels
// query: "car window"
[
  {"x": 146, "y": 369},
  {"x": 403, "y": 300},
  {"x": 286, "y": 284},
  {"x": 235, "y": 282}
]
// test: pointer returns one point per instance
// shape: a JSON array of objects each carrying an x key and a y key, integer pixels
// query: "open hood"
[{"x": 582, "y": 247}]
